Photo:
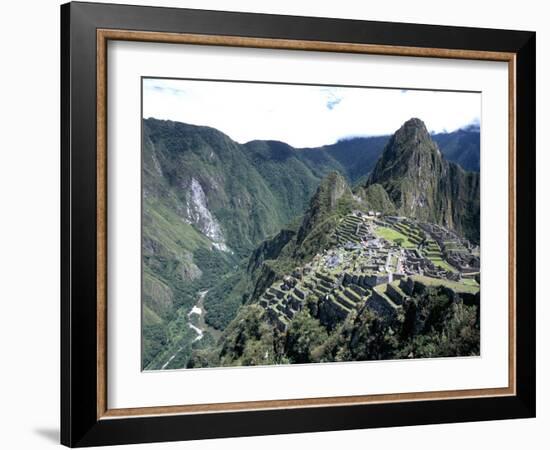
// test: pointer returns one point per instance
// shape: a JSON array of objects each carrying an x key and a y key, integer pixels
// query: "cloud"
[
  {"x": 332, "y": 98},
  {"x": 162, "y": 86},
  {"x": 304, "y": 116},
  {"x": 331, "y": 104},
  {"x": 475, "y": 125}
]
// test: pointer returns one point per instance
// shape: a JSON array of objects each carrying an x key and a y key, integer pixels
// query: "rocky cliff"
[{"x": 422, "y": 184}]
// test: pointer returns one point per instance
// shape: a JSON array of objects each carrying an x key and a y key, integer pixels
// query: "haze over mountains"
[{"x": 209, "y": 204}]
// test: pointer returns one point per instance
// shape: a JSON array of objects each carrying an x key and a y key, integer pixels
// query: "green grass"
[
  {"x": 433, "y": 253},
  {"x": 411, "y": 231},
  {"x": 442, "y": 263},
  {"x": 392, "y": 235},
  {"x": 458, "y": 287},
  {"x": 166, "y": 228},
  {"x": 149, "y": 316},
  {"x": 381, "y": 289}
]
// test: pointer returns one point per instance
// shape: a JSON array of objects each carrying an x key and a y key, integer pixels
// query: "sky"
[{"x": 304, "y": 116}]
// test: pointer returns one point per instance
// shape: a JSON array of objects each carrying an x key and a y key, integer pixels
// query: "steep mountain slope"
[
  {"x": 423, "y": 185},
  {"x": 376, "y": 197},
  {"x": 208, "y": 202},
  {"x": 354, "y": 157},
  {"x": 432, "y": 323},
  {"x": 278, "y": 256},
  {"x": 218, "y": 184},
  {"x": 461, "y": 146},
  {"x": 297, "y": 243}
]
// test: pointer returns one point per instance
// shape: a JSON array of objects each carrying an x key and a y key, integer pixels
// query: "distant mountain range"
[
  {"x": 210, "y": 203},
  {"x": 461, "y": 147}
]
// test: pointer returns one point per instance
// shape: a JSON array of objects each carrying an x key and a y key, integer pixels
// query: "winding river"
[
  {"x": 200, "y": 327},
  {"x": 198, "y": 309}
]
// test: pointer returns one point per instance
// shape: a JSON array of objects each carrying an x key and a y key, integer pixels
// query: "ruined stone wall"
[{"x": 380, "y": 306}]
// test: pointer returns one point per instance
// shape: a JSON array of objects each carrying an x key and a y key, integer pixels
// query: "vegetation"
[
  {"x": 435, "y": 326},
  {"x": 224, "y": 299},
  {"x": 461, "y": 147},
  {"x": 432, "y": 325},
  {"x": 231, "y": 236},
  {"x": 443, "y": 264},
  {"x": 376, "y": 198},
  {"x": 304, "y": 335},
  {"x": 394, "y": 236},
  {"x": 423, "y": 185},
  {"x": 249, "y": 340},
  {"x": 469, "y": 287},
  {"x": 154, "y": 342}
]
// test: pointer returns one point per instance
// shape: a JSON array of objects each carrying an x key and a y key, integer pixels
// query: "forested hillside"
[{"x": 223, "y": 220}]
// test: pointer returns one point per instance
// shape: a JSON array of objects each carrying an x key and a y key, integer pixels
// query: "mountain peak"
[
  {"x": 414, "y": 122},
  {"x": 409, "y": 170},
  {"x": 411, "y": 148},
  {"x": 421, "y": 183},
  {"x": 332, "y": 188},
  {"x": 331, "y": 191},
  {"x": 412, "y": 131}
]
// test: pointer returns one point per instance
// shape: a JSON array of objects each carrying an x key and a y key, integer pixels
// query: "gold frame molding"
[{"x": 105, "y": 35}]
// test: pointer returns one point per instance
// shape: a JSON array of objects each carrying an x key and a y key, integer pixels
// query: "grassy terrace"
[
  {"x": 392, "y": 235},
  {"x": 433, "y": 253},
  {"x": 381, "y": 289},
  {"x": 441, "y": 263},
  {"x": 458, "y": 287},
  {"x": 453, "y": 246},
  {"x": 413, "y": 233}
]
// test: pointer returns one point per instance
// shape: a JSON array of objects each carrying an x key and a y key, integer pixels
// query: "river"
[
  {"x": 200, "y": 327},
  {"x": 198, "y": 309}
]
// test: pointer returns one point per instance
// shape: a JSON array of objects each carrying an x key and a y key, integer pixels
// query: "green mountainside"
[
  {"x": 376, "y": 197},
  {"x": 423, "y": 185},
  {"x": 207, "y": 203},
  {"x": 354, "y": 157},
  {"x": 223, "y": 221},
  {"x": 306, "y": 306},
  {"x": 461, "y": 147}
]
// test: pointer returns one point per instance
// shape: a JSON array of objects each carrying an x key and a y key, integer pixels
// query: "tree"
[
  {"x": 304, "y": 334},
  {"x": 372, "y": 338}
]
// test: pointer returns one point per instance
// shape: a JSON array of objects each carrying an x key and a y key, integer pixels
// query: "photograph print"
[{"x": 298, "y": 224}]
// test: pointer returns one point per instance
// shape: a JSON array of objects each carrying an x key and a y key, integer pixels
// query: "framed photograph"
[{"x": 277, "y": 224}]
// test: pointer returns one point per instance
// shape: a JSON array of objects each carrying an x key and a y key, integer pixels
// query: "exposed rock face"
[
  {"x": 234, "y": 194},
  {"x": 157, "y": 296},
  {"x": 376, "y": 198},
  {"x": 330, "y": 191},
  {"x": 461, "y": 146},
  {"x": 423, "y": 185},
  {"x": 203, "y": 192},
  {"x": 199, "y": 214},
  {"x": 189, "y": 270},
  {"x": 288, "y": 249},
  {"x": 269, "y": 249}
]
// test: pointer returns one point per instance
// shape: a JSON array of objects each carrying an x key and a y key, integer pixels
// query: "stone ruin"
[{"x": 362, "y": 270}]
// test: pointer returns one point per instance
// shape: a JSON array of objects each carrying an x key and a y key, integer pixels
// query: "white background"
[
  {"x": 29, "y": 190},
  {"x": 130, "y": 388}
]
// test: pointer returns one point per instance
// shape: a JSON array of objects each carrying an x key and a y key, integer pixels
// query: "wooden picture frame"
[{"x": 86, "y": 418}]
